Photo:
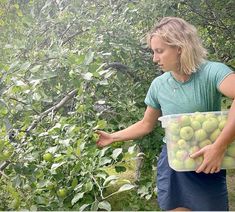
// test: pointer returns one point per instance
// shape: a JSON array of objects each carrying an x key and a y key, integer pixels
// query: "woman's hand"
[
  {"x": 213, "y": 157},
  {"x": 105, "y": 139}
]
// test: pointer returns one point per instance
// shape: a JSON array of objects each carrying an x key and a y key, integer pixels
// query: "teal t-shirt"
[{"x": 200, "y": 93}]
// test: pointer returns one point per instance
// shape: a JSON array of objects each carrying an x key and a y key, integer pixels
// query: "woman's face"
[{"x": 167, "y": 57}]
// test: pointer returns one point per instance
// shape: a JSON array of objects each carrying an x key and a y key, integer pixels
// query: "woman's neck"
[{"x": 181, "y": 77}]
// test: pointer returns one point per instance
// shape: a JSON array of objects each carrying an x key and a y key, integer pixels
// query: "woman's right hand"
[{"x": 105, "y": 139}]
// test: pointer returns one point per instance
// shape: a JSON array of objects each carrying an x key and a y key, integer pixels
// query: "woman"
[{"x": 190, "y": 83}]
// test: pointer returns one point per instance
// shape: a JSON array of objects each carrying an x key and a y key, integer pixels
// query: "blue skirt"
[{"x": 196, "y": 191}]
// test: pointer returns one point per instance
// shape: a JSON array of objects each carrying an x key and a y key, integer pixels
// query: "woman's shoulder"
[
  {"x": 162, "y": 78},
  {"x": 213, "y": 65}
]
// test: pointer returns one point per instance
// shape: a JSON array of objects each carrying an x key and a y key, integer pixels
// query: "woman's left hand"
[{"x": 213, "y": 157}]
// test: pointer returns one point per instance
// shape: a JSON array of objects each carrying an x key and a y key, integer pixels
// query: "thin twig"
[{"x": 54, "y": 109}]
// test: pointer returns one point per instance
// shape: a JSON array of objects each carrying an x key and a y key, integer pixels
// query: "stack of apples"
[{"x": 188, "y": 133}]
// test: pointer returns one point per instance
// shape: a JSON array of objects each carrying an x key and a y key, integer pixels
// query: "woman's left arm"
[{"x": 213, "y": 154}]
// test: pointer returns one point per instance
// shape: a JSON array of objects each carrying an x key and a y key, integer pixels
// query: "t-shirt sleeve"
[
  {"x": 151, "y": 97},
  {"x": 220, "y": 72}
]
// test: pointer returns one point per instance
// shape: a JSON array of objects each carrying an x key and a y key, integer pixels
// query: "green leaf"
[
  {"x": 83, "y": 207},
  {"x": 77, "y": 197},
  {"x": 88, "y": 76},
  {"x": 94, "y": 206},
  {"x": 104, "y": 205},
  {"x": 116, "y": 153},
  {"x": 25, "y": 66},
  {"x": 131, "y": 149},
  {"x": 57, "y": 165},
  {"x": 89, "y": 57},
  {"x": 35, "y": 68},
  {"x": 105, "y": 161},
  {"x": 125, "y": 187},
  {"x": 109, "y": 179}
]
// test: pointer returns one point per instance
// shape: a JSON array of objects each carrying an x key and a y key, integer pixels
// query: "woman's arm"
[
  {"x": 213, "y": 154},
  {"x": 227, "y": 135},
  {"x": 134, "y": 131}
]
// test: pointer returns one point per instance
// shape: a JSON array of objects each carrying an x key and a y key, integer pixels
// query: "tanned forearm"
[{"x": 135, "y": 131}]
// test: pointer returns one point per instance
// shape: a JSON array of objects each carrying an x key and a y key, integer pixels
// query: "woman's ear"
[{"x": 179, "y": 50}]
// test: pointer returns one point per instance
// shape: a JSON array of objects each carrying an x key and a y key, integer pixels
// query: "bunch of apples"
[{"x": 188, "y": 133}]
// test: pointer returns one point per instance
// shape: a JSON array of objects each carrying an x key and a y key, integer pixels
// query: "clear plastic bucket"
[{"x": 189, "y": 132}]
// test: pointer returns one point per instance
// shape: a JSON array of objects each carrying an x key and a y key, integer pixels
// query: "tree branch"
[
  {"x": 72, "y": 36},
  {"x": 35, "y": 122},
  {"x": 54, "y": 109}
]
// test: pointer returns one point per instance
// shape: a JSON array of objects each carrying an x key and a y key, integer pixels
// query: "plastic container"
[{"x": 189, "y": 132}]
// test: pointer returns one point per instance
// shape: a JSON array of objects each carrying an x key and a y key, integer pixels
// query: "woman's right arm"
[{"x": 134, "y": 131}]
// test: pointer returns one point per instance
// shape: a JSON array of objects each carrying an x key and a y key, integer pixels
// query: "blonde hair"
[{"x": 176, "y": 32}]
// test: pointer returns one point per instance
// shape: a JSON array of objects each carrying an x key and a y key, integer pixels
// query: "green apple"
[
  {"x": 209, "y": 125},
  {"x": 214, "y": 135},
  {"x": 199, "y": 117},
  {"x": 193, "y": 149},
  {"x": 177, "y": 165},
  {"x": 48, "y": 157},
  {"x": 174, "y": 138},
  {"x": 200, "y": 135},
  {"x": 210, "y": 115},
  {"x": 222, "y": 117},
  {"x": 204, "y": 143},
  {"x": 181, "y": 154},
  {"x": 190, "y": 164},
  {"x": 228, "y": 162},
  {"x": 196, "y": 125},
  {"x": 186, "y": 133},
  {"x": 174, "y": 128},
  {"x": 182, "y": 144},
  {"x": 199, "y": 160},
  {"x": 185, "y": 120},
  {"x": 222, "y": 124},
  {"x": 172, "y": 147},
  {"x": 62, "y": 192},
  {"x": 231, "y": 150}
]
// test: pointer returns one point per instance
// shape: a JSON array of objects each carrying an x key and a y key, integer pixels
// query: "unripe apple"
[
  {"x": 193, "y": 149},
  {"x": 174, "y": 138},
  {"x": 177, "y": 165},
  {"x": 174, "y": 128},
  {"x": 186, "y": 132},
  {"x": 215, "y": 135},
  {"x": 181, "y": 154},
  {"x": 199, "y": 117},
  {"x": 228, "y": 162},
  {"x": 204, "y": 143},
  {"x": 210, "y": 125},
  {"x": 185, "y": 120},
  {"x": 182, "y": 144},
  {"x": 199, "y": 160},
  {"x": 175, "y": 147},
  {"x": 190, "y": 164},
  {"x": 200, "y": 135},
  {"x": 231, "y": 150},
  {"x": 222, "y": 124},
  {"x": 48, "y": 157},
  {"x": 210, "y": 115},
  {"x": 222, "y": 118},
  {"x": 196, "y": 125}
]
